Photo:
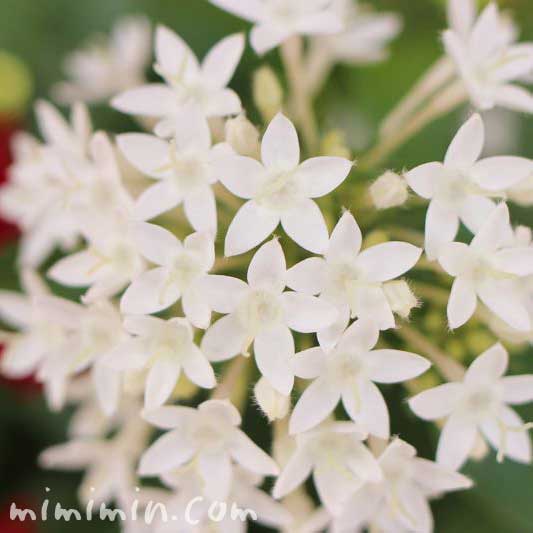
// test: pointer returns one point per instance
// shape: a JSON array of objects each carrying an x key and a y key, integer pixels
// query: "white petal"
[
  {"x": 456, "y": 259},
  {"x": 296, "y": 471},
  {"x": 474, "y": 211},
  {"x": 273, "y": 351},
  {"x": 393, "y": 366},
  {"x": 224, "y": 292},
  {"x": 156, "y": 200},
  {"x": 462, "y": 303},
  {"x": 321, "y": 175},
  {"x": 170, "y": 417},
  {"x": 145, "y": 152},
  {"x": 224, "y": 339},
  {"x": 143, "y": 326},
  {"x": 251, "y": 10},
  {"x": 456, "y": 441},
  {"x": 268, "y": 269},
  {"x": 280, "y": 148},
  {"x": 320, "y": 22},
  {"x": 309, "y": 364},
  {"x": 387, "y": 261},
  {"x": 437, "y": 402},
  {"x": 251, "y": 457},
  {"x": 243, "y": 176},
  {"x": 461, "y": 16},
  {"x": 222, "y": 103},
  {"x": 467, "y": 144},
  {"x": 502, "y": 172},
  {"x": 150, "y": 293},
  {"x": 436, "y": 480},
  {"x": 518, "y": 261},
  {"x": 154, "y": 100},
  {"x": 195, "y": 305},
  {"x": 514, "y": 97},
  {"x": 366, "y": 406},
  {"x": 346, "y": 239},
  {"x": 202, "y": 245},
  {"x": 425, "y": 178},
  {"x": 441, "y": 228},
  {"x": 167, "y": 453},
  {"x": 417, "y": 515},
  {"x": 173, "y": 54},
  {"x": 217, "y": 474},
  {"x": 198, "y": 369},
  {"x": 15, "y": 309},
  {"x": 495, "y": 232},
  {"x": 264, "y": 37},
  {"x": 488, "y": 367},
  {"x": 221, "y": 61},
  {"x": 155, "y": 243},
  {"x": 306, "y": 226},
  {"x": 372, "y": 304},
  {"x": 221, "y": 409},
  {"x": 517, "y": 389},
  {"x": 335, "y": 486},
  {"x": 308, "y": 276},
  {"x": 191, "y": 131},
  {"x": 21, "y": 357},
  {"x": 504, "y": 301},
  {"x": 201, "y": 210},
  {"x": 328, "y": 337},
  {"x": 250, "y": 226},
  {"x": 360, "y": 337},
  {"x": 107, "y": 385},
  {"x": 315, "y": 405},
  {"x": 517, "y": 445},
  {"x": 160, "y": 382},
  {"x": 76, "y": 270},
  {"x": 307, "y": 314}
]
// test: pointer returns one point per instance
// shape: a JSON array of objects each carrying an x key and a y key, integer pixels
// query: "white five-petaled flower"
[
  {"x": 479, "y": 404},
  {"x": 487, "y": 58},
  {"x": 104, "y": 68},
  {"x": 351, "y": 279},
  {"x": 180, "y": 273},
  {"x": 187, "y": 82},
  {"x": 339, "y": 461},
  {"x": 490, "y": 268},
  {"x": 277, "y": 20},
  {"x": 399, "y": 503},
  {"x": 183, "y": 168},
  {"x": 208, "y": 438},
  {"x": 279, "y": 190},
  {"x": 348, "y": 372},
  {"x": 163, "y": 348},
  {"x": 260, "y": 312},
  {"x": 460, "y": 188}
]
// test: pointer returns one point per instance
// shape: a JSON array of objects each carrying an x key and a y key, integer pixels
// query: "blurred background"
[{"x": 35, "y": 37}]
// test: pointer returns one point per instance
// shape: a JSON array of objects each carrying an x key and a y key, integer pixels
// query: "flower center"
[
  {"x": 259, "y": 311},
  {"x": 280, "y": 192},
  {"x": 481, "y": 403}
]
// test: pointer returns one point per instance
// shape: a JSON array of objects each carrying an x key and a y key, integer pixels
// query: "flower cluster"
[{"x": 168, "y": 235}]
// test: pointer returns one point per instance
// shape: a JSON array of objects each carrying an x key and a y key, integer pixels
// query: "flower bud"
[
  {"x": 267, "y": 93},
  {"x": 243, "y": 136},
  {"x": 400, "y": 297},
  {"x": 389, "y": 190},
  {"x": 272, "y": 403}
]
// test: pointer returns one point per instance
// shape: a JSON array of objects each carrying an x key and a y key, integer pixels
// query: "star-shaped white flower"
[
  {"x": 277, "y": 20},
  {"x": 399, "y": 503},
  {"x": 349, "y": 372},
  {"x": 487, "y": 58},
  {"x": 187, "y": 82},
  {"x": 479, "y": 404},
  {"x": 280, "y": 189},
  {"x": 339, "y": 461},
  {"x": 103, "y": 69},
  {"x": 460, "y": 188},
  {"x": 490, "y": 268},
  {"x": 260, "y": 312},
  {"x": 183, "y": 169},
  {"x": 162, "y": 348},
  {"x": 208, "y": 438},
  {"x": 351, "y": 279},
  {"x": 180, "y": 273}
]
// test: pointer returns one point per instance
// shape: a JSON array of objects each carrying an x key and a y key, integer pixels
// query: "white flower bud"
[
  {"x": 400, "y": 297},
  {"x": 389, "y": 190},
  {"x": 243, "y": 136},
  {"x": 272, "y": 403},
  {"x": 267, "y": 92}
]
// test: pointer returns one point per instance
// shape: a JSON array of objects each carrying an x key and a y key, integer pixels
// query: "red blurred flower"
[
  {"x": 8, "y": 127},
  {"x": 16, "y": 526}
]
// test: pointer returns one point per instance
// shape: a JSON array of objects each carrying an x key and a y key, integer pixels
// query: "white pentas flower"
[
  {"x": 354, "y": 280},
  {"x": 275, "y": 21},
  {"x": 180, "y": 273},
  {"x": 183, "y": 168},
  {"x": 479, "y": 404},
  {"x": 207, "y": 438},
  {"x": 280, "y": 189},
  {"x": 162, "y": 348},
  {"x": 486, "y": 57},
  {"x": 461, "y": 188},
  {"x": 339, "y": 461},
  {"x": 490, "y": 268},
  {"x": 349, "y": 372},
  {"x": 107, "y": 66},
  {"x": 399, "y": 502},
  {"x": 186, "y": 82},
  {"x": 260, "y": 312}
]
